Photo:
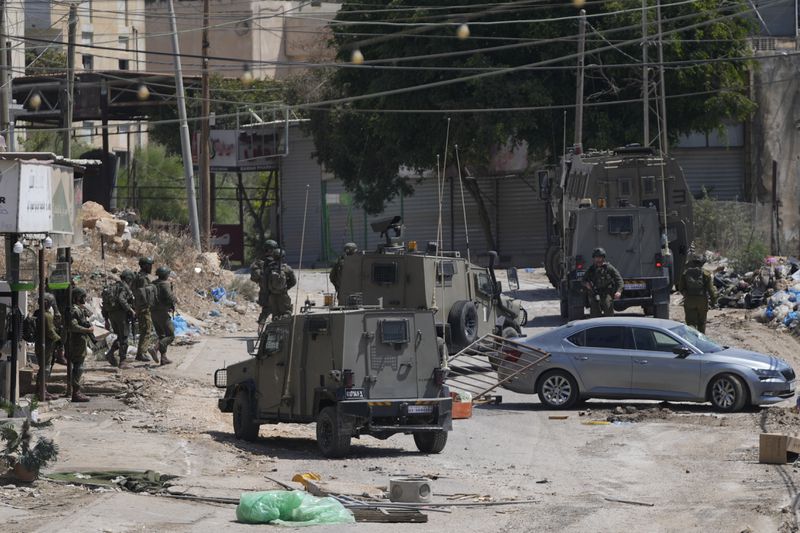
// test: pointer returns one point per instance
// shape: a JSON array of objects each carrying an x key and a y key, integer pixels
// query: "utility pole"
[
  {"x": 579, "y": 91},
  {"x": 645, "y": 79},
  {"x": 68, "y": 99},
  {"x": 186, "y": 151},
  {"x": 663, "y": 106},
  {"x": 6, "y": 87},
  {"x": 204, "y": 161}
]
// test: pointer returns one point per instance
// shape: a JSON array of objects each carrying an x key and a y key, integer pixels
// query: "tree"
[
  {"x": 365, "y": 142},
  {"x": 158, "y": 178},
  {"x": 45, "y": 61}
]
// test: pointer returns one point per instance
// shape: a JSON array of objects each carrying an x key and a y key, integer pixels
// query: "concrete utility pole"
[
  {"x": 645, "y": 79},
  {"x": 66, "y": 111},
  {"x": 6, "y": 87},
  {"x": 664, "y": 138},
  {"x": 204, "y": 160},
  {"x": 579, "y": 90},
  {"x": 186, "y": 151}
]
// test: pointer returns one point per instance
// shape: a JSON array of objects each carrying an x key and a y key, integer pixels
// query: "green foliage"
[
  {"x": 245, "y": 288},
  {"x": 17, "y": 447},
  {"x": 159, "y": 179},
  {"x": 364, "y": 146},
  {"x": 44, "y": 62},
  {"x": 48, "y": 141}
]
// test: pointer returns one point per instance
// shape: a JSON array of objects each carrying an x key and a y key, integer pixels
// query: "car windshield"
[{"x": 696, "y": 339}]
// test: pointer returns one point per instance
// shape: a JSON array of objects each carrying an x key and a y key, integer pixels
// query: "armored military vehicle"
[
  {"x": 629, "y": 235},
  {"x": 353, "y": 371},
  {"x": 467, "y": 299}
]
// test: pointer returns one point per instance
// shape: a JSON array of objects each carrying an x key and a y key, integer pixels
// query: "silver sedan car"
[{"x": 646, "y": 358}]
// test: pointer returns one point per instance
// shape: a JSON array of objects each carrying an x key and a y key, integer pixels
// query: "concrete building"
[{"x": 266, "y": 37}]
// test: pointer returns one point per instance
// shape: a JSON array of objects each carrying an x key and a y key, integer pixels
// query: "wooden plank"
[
  {"x": 774, "y": 448},
  {"x": 389, "y": 516}
]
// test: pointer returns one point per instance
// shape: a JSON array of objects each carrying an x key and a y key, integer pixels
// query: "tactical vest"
[{"x": 695, "y": 285}]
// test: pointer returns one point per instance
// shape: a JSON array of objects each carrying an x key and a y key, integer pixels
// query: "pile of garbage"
[{"x": 758, "y": 287}]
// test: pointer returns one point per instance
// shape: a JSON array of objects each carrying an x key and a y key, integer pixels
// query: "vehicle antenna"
[
  {"x": 463, "y": 204},
  {"x": 439, "y": 226},
  {"x": 441, "y": 196},
  {"x": 287, "y": 381}
]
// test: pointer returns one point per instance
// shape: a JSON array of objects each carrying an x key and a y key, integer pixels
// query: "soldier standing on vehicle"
[
  {"x": 258, "y": 274},
  {"x": 80, "y": 335},
  {"x": 162, "y": 313},
  {"x": 698, "y": 289},
  {"x": 336, "y": 272},
  {"x": 604, "y": 284},
  {"x": 117, "y": 309},
  {"x": 144, "y": 296},
  {"x": 280, "y": 279}
]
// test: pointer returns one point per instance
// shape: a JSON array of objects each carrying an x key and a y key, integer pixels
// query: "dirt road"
[{"x": 694, "y": 470}]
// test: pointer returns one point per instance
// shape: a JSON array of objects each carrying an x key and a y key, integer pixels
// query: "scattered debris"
[
  {"x": 630, "y": 502},
  {"x": 558, "y": 417}
]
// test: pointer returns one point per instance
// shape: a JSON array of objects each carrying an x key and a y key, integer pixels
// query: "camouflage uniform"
[
  {"x": 697, "y": 288},
  {"x": 119, "y": 313},
  {"x": 142, "y": 284},
  {"x": 258, "y": 274},
  {"x": 80, "y": 334},
  {"x": 606, "y": 281},
  {"x": 51, "y": 339},
  {"x": 336, "y": 271},
  {"x": 162, "y": 319},
  {"x": 280, "y": 303}
]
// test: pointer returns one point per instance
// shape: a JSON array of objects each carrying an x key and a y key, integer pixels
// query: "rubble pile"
[{"x": 756, "y": 288}]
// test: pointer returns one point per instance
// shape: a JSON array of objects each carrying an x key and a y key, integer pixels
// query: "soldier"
[
  {"x": 51, "y": 338},
  {"x": 697, "y": 288},
  {"x": 258, "y": 273},
  {"x": 144, "y": 298},
  {"x": 279, "y": 280},
  {"x": 162, "y": 319},
  {"x": 118, "y": 311},
  {"x": 336, "y": 272},
  {"x": 80, "y": 334},
  {"x": 604, "y": 284}
]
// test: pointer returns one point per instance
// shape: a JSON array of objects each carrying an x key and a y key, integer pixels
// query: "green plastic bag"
[{"x": 290, "y": 508}]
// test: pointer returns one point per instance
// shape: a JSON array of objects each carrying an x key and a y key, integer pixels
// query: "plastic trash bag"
[
  {"x": 218, "y": 293},
  {"x": 290, "y": 508},
  {"x": 182, "y": 327}
]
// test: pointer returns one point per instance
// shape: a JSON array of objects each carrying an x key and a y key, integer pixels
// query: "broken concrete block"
[
  {"x": 107, "y": 227},
  {"x": 774, "y": 448},
  {"x": 121, "y": 225},
  {"x": 134, "y": 246}
]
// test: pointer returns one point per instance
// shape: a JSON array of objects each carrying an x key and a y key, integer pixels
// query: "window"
[
  {"x": 123, "y": 64},
  {"x": 679, "y": 196},
  {"x": 624, "y": 187},
  {"x": 384, "y": 273},
  {"x": 607, "y": 337},
  {"x": 485, "y": 284},
  {"x": 88, "y": 62},
  {"x": 445, "y": 270},
  {"x": 578, "y": 339},
  {"x": 394, "y": 331},
  {"x": 654, "y": 341},
  {"x": 317, "y": 325},
  {"x": 648, "y": 185},
  {"x": 273, "y": 339},
  {"x": 620, "y": 225}
]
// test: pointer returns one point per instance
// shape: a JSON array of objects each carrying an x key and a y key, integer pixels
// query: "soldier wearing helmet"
[
  {"x": 279, "y": 279},
  {"x": 80, "y": 336},
  {"x": 336, "y": 272},
  {"x": 604, "y": 284},
  {"x": 51, "y": 338},
  {"x": 117, "y": 309},
  {"x": 698, "y": 290},
  {"x": 162, "y": 313},
  {"x": 258, "y": 274},
  {"x": 144, "y": 295}
]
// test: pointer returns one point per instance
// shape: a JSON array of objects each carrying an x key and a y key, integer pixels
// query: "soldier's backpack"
[
  {"x": 276, "y": 281},
  {"x": 29, "y": 329},
  {"x": 109, "y": 298},
  {"x": 695, "y": 285},
  {"x": 144, "y": 294}
]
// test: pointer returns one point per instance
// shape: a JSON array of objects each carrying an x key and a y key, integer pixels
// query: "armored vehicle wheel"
[
  {"x": 430, "y": 441},
  {"x": 575, "y": 313},
  {"x": 524, "y": 321},
  {"x": 244, "y": 425},
  {"x": 661, "y": 311},
  {"x": 463, "y": 320},
  {"x": 333, "y": 440},
  {"x": 564, "y": 308}
]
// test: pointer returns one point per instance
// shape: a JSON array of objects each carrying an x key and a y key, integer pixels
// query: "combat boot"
[
  {"x": 79, "y": 397},
  {"x": 110, "y": 357},
  {"x": 142, "y": 357},
  {"x": 164, "y": 360},
  {"x": 59, "y": 357},
  {"x": 123, "y": 364},
  {"x": 153, "y": 354}
]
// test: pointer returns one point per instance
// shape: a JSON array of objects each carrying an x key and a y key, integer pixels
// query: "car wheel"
[
  {"x": 727, "y": 393},
  {"x": 244, "y": 425},
  {"x": 524, "y": 320},
  {"x": 557, "y": 390},
  {"x": 333, "y": 440},
  {"x": 430, "y": 441}
]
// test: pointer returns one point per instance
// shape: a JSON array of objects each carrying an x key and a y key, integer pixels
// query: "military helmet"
[
  {"x": 78, "y": 293},
  {"x": 350, "y": 248},
  {"x": 599, "y": 252},
  {"x": 277, "y": 253},
  {"x": 126, "y": 275},
  {"x": 50, "y": 298},
  {"x": 144, "y": 261},
  {"x": 269, "y": 244},
  {"x": 162, "y": 272}
]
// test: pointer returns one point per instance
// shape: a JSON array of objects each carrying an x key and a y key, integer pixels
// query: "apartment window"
[
  {"x": 123, "y": 64},
  {"x": 86, "y": 131},
  {"x": 88, "y": 62}
]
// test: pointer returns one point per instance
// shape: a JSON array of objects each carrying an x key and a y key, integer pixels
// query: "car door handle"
[
  {"x": 640, "y": 361},
  {"x": 581, "y": 358}
]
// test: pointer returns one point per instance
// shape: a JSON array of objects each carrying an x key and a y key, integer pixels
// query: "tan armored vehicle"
[
  {"x": 353, "y": 371},
  {"x": 467, "y": 299}
]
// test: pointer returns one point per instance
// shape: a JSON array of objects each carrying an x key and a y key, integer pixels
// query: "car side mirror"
[
  {"x": 682, "y": 352},
  {"x": 513, "y": 279}
]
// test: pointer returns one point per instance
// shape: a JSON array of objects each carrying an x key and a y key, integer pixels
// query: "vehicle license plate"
[
  {"x": 635, "y": 285},
  {"x": 420, "y": 409},
  {"x": 353, "y": 393}
]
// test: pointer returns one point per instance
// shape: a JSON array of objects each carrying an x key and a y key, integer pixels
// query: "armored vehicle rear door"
[
  {"x": 630, "y": 238},
  {"x": 392, "y": 354},
  {"x": 272, "y": 359}
]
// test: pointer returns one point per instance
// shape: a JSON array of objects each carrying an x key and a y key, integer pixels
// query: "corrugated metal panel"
[
  {"x": 721, "y": 171},
  {"x": 522, "y": 231},
  {"x": 299, "y": 169}
]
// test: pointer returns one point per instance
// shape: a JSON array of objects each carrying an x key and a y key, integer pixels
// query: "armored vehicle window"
[
  {"x": 648, "y": 185},
  {"x": 317, "y": 325},
  {"x": 620, "y": 225},
  {"x": 394, "y": 331},
  {"x": 608, "y": 337},
  {"x": 625, "y": 187},
  {"x": 679, "y": 196},
  {"x": 485, "y": 283},
  {"x": 384, "y": 273},
  {"x": 273, "y": 339},
  {"x": 445, "y": 270}
]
